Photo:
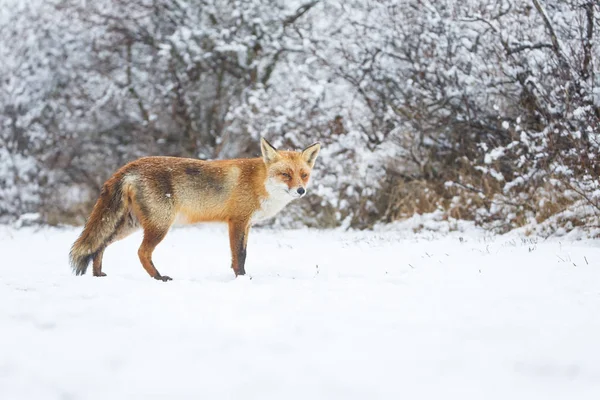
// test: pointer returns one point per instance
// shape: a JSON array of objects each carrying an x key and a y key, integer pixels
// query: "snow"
[{"x": 400, "y": 312}]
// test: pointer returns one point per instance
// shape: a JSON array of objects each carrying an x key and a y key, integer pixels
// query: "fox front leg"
[{"x": 238, "y": 240}]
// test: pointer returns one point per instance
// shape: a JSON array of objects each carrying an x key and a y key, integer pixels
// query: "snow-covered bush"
[{"x": 486, "y": 110}]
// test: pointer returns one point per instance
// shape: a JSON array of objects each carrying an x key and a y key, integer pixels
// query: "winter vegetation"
[{"x": 482, "y": 110}]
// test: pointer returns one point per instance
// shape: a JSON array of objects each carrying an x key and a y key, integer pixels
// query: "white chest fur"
[{"x": 278, "y": 197}]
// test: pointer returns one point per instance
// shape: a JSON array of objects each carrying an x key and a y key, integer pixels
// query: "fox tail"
[{"x": 107, "y": 216}]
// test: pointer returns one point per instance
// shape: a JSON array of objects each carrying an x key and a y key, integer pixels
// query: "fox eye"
[
  {"x": 304, "y": 175},
  {"x": 286, "y": 175}
]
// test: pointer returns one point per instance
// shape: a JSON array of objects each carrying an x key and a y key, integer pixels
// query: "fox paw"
[
  {"x": 99, "y": 274},
  {"x": 163, "y": 278}
]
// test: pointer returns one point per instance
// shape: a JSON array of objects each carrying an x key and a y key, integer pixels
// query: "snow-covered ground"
[{"x": 327, "y": 315}]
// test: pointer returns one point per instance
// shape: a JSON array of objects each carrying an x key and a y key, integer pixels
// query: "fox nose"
[{"x": 301, "y": 191}]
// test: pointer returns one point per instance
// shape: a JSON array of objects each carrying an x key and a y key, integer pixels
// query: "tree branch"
[
  {"x": 587, "y": 45},
  {"x": 518, "y": 49},
  {"x": 555, "y": 43},
  {"x": 130, "y": 87},
  {"x": 303, "y": 9}
]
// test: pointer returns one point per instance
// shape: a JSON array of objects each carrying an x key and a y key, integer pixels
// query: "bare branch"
[
  {"x": 555, "y": 43},
  {"x": 587, "y": 45},
  {"x": 518, "y": 49},
  {"x": 303, "y": 9}
]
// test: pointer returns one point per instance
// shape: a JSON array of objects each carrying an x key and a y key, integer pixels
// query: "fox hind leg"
[
  {"x": 97, "y": 263},
  {"x": 152, "y": 237},
  {"x": 126, "y": 227}
]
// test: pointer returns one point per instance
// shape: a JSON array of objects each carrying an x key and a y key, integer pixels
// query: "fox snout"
[{"x": 298, "y": 192}]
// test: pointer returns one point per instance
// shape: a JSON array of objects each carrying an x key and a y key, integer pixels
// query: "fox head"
[{"x": 288, "y": 172}]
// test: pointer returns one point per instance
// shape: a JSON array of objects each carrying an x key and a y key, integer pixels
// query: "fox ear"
[
  {"x": 269, "y": 152},
  {"x": 310, "y": 153}
]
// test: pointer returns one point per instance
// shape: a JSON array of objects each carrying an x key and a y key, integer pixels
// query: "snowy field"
[{"x": 327, "y": 315}]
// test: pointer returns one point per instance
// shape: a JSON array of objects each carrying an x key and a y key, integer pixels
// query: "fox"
[{"x": 152, "y": 193}]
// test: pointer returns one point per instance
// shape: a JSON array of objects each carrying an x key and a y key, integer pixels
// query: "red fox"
[{"x": 154, "y": 192}]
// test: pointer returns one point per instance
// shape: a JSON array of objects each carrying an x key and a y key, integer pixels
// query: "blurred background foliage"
[{"x": 486, "y": 110}]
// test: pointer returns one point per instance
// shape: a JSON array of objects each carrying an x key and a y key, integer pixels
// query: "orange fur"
[{"x": 154, "y": 192}]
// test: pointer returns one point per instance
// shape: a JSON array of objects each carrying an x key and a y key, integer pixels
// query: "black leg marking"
[
  {"x": 242, "y": 257},
  {"x": 237, "y": 238}
]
